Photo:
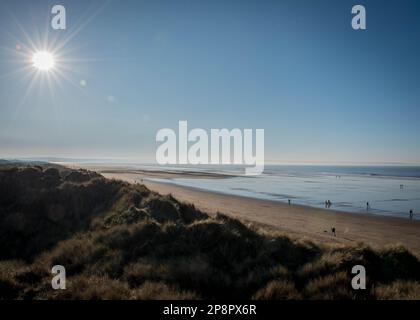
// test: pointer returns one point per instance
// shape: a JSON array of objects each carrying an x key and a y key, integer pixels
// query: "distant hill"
[
  {"x": 17, "y": 162},
  {"x": 121, "y": 241},
  {"x": 4, "y": 162}
]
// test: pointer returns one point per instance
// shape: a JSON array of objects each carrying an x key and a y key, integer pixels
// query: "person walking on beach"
[
  {"x": 411, "y": 214},
  {"x": 333, "y": 231},
  {"x": 329, "y": 204},
  {"x": 289, "y": 201},
  {"x": 367, "y": 206}
]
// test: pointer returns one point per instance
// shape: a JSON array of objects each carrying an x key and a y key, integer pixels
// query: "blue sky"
[{"x": 323, "y": 92}]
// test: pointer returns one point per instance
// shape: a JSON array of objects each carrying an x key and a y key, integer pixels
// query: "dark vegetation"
[{"x": 121, "y": 241}]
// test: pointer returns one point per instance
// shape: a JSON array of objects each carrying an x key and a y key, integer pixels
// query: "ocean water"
[{"x": 390, "y": 191}]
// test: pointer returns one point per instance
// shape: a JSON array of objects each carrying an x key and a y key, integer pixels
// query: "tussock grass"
[
  {"x": 121, "y": 241},
  {"x": 399, "y": 290},
  {"x": 278, "y": 290}
]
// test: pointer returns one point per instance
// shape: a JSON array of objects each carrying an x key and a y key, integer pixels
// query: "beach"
[
  {"x": 120, "y": 240},
  {"x": 295, "y": 220}
]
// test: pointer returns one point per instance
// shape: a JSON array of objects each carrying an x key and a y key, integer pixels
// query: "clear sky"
[{"x": 322, "y": 91}]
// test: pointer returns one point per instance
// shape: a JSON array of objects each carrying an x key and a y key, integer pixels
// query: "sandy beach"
[{"x": 295, "y": 220}]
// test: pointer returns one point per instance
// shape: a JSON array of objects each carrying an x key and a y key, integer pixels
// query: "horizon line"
[{"x": 134, "y": 160}]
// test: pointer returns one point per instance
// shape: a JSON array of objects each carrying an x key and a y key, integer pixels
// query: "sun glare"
[{"x": 43, "y": 60}]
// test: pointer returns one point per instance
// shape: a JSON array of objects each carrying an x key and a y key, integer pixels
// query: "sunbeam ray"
[{"x": 81, "y": 26}]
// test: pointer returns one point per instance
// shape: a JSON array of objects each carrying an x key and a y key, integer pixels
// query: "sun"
[{"x": 43, "y": 60}]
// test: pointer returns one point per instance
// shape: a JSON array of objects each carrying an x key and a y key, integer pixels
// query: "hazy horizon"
[{"x": 152, "y": 162}]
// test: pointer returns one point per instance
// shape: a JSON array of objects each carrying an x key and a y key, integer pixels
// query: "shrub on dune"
[
  {"x": 161, "y": 291},
  {"x": 335, "y": 286},
  {"x": 399, "y": 290},
  {"x": 278, "y": 290}
]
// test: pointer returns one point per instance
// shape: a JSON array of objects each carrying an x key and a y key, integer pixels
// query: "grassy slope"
[{"x": 120, "y": 241}]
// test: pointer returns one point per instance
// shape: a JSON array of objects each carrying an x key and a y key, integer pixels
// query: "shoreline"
[{"x": 296, "y": 220}]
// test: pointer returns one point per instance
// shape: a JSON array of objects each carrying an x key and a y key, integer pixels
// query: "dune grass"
[{"x": 121, "y": 241}]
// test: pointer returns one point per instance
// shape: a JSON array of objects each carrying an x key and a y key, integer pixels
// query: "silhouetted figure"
[
  {"x": 329, "y": 204},
  {"x": 289, "y": 201},
  {"x": 326, "y": 204},
  {"x": 411, "y": 214},
  {"x": 367, "y": 206},
  {"x": 333, "y": 231}
]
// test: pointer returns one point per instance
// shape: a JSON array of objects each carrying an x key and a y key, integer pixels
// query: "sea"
[{"x": 389, "y": 190}]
